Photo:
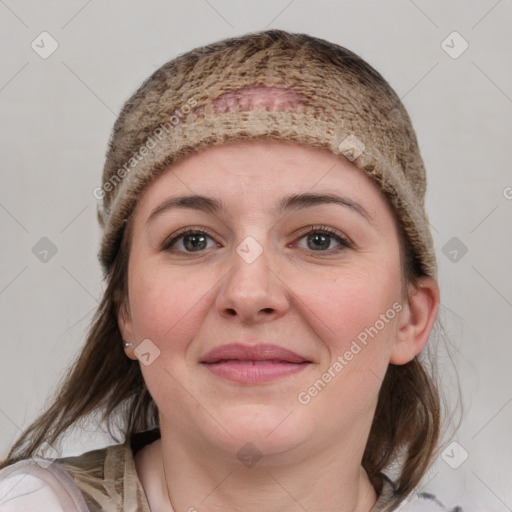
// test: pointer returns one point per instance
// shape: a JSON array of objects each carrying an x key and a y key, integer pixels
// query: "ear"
[
  {"x": 125, "y": 323},
  {"x": 416, "y": 320}
]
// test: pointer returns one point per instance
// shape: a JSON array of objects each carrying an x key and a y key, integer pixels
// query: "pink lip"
[{"x": 253, "y": 363}]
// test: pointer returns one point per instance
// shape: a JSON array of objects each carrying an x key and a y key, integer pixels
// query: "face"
[{"x": 319, "y": 278}]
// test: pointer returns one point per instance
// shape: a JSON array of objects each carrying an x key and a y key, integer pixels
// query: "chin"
[{"x": 270, "y": 428}]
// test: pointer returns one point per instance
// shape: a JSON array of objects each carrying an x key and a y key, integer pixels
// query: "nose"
[{"x": 252, "y": 290}]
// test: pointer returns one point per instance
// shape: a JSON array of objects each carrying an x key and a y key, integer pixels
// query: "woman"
[{"x": 271, "y": 280}]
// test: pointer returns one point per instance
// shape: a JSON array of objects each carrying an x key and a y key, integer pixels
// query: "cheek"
[
  {"x": 356, "y": 305},
  {"x": 166, "y": 305},
  {"x": 167, "y": 308},
  {"x": 356, "y": 317}
]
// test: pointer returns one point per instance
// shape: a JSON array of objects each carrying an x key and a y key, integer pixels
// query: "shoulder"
[
  {"x": 427, "y": 502},
  {"x": 101, "y": 479},
  {"x": 415, "y": 502},
  {"x": 107, "y": 478},
  {"x": 34, "y": 485}
]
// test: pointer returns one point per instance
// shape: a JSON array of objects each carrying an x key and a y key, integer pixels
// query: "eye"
[
  {"x": 319, "y": 239},
  {"x": 193, "y": 239}
]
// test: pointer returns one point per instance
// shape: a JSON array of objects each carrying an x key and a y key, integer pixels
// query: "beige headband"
[{"x": 332, "y": 99}]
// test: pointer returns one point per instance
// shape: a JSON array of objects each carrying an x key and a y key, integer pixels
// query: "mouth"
[
  {"x": 253, "y": 363},
  {"x": 256, "y": 361}
]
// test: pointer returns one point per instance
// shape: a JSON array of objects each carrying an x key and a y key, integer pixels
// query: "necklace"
[{"x": 165, "y": 478}]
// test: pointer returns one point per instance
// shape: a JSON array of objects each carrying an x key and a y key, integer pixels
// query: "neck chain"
[{"x": 165, "y": 477}]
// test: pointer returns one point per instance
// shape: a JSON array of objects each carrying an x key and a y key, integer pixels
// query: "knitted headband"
[{"x": 338, "y": 102}]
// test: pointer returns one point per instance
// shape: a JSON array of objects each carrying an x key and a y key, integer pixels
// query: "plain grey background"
[{"x": 57, "y": 112}]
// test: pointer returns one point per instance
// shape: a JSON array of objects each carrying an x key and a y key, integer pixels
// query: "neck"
[{"x": 193, "y": 480}]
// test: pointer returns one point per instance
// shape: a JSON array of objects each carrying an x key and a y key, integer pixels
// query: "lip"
[
  {"x": 259, "y": 352},
  {"x": 253, "y": 363}
]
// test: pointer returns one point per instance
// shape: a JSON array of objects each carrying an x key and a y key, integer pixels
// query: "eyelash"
[{"x": 325, "y": 230}]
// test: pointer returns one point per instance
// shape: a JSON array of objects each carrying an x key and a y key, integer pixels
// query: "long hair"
[
  {"x": 102, "y": 379},
  {"x": 406, "y": 427}
]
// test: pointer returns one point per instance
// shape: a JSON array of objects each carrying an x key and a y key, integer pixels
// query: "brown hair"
[
  {"x": 406, "y": 425},
  {"x": 103, "y": 378}
]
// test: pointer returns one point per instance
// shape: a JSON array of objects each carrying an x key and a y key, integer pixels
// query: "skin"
[{"x": 296, "y": 294}]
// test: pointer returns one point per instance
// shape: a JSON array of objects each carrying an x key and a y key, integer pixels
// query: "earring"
[{"x": 128, "y": 344}]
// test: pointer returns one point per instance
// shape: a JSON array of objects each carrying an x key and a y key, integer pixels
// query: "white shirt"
[{"x": 33, "y": 485}]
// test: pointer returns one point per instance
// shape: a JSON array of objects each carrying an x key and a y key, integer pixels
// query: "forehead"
[{"x": 261, "y": 172}]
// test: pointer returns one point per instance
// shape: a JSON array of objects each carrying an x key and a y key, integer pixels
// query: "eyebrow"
[{"x": 287, "y": 203}]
